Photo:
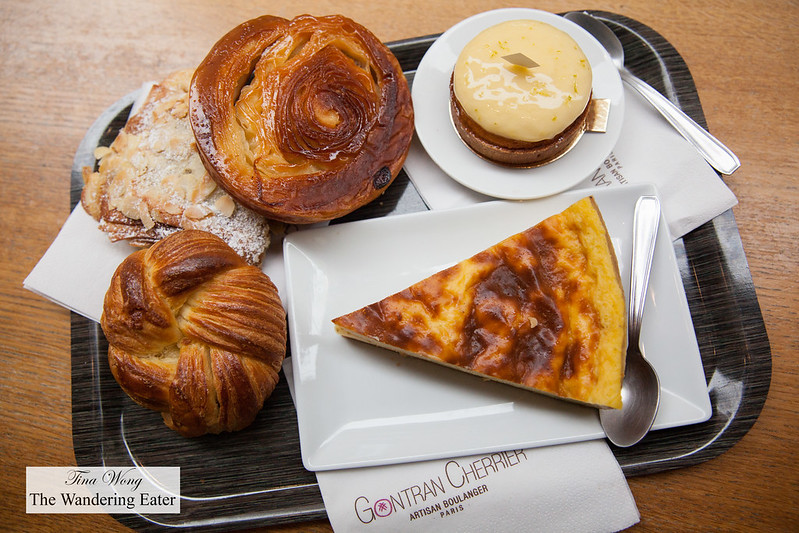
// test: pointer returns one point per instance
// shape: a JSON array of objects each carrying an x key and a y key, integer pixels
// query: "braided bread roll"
[
  {"x": 302, "y": 120},
  {"x": 195, "y": 333}
]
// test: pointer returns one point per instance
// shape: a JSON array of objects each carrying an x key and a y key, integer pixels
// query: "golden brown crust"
[
  {"x": 543, "y": 310},
  {"x": 511, "y": 152},
  {"x": 195, "y": 333},
  {"x": 302, "y": 120}
]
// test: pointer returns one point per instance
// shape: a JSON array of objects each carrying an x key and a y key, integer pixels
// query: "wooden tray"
[{"x": 256, "y": 478}]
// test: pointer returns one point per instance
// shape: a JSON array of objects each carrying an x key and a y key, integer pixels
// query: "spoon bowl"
[
  {"x": 641, "y": 397},
  {"x": 641, "y": 387},
  {"x": 719, "y": 156}
]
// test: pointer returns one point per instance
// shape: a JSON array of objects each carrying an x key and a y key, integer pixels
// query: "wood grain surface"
[{"x": 63, "y": 63}]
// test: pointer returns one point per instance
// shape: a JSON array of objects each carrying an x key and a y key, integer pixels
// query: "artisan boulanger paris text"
[{"x": 443, "y": 495}]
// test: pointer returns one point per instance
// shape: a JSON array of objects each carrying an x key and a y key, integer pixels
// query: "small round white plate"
[{"x": 442, "y": 143}]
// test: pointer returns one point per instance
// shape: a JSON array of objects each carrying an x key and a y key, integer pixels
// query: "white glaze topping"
[{"x": 526, "y": 104}]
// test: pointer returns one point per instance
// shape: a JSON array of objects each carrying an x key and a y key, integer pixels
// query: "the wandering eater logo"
[
  {"x": 81, "y": 490},
  {"x": 448, "y": 493}
]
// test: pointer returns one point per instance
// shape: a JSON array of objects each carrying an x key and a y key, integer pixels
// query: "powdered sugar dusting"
[{"x": 245, "y": 231}]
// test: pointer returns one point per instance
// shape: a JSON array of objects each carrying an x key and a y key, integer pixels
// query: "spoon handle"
[
  {"x": 645, "y": 229},
  {"x": 719, "y": 156}
]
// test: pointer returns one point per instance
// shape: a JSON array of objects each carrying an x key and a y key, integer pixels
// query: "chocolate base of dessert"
[{"x": 511, "y": 152}]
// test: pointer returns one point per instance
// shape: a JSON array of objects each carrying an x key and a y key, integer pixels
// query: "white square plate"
[{"x": 359, "y": 405}]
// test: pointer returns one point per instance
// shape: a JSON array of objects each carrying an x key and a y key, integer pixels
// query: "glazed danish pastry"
[
  {"x": 195, "y": 333},
  {"x": 301, "y": 120}
]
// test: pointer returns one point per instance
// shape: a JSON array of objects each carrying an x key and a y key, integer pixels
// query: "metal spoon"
[
  {"x": 640, "y": 390},
  {"x": 719, "y": 156}
]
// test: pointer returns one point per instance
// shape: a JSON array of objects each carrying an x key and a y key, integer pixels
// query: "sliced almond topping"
[
  {"x": 183, "y": 81},
  {"x": 132, "y": 142},
  {"x": 171, "y": 183},
  {"x": 226, "y": 205},
  {"x": 206, "y": 185},
  {"x": 159, "y": 144},
  {"x": 196, "y": 212},
  {"x": 101, "y": 151},
  {"x": 172, "y": 208},
  {"x": 191, "y": 189},
  {"x": 129, "y": 207},
  {"x": 87, "y": 174},
  {"x": 181, "y": 110},
  {"x": 146, "y": 219}
]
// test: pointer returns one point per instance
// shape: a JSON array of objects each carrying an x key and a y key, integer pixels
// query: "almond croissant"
[{"x": 195, "y": 333}]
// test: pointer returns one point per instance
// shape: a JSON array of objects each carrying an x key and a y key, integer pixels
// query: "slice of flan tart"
[{"x": 543, "y": 310}]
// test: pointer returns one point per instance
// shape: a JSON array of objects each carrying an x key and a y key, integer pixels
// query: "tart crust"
[{"x": 512, "y": 152}]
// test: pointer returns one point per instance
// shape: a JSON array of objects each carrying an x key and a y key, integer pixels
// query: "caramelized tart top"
[{"x": 543, "y": 309}]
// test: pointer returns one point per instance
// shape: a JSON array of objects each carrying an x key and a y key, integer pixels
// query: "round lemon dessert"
[{"x": 521, "y": 114}]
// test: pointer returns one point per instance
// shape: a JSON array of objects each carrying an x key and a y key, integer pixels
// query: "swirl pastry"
[
  {"x": 195, "y": 333},
  {"x": 301, "y": 120}
]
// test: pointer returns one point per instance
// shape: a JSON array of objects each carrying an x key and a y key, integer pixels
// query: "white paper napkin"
[
  {"x": 572, "y": 488},
  {"x": 649, "y": 150},
  {"x": 76, "y": 270}
]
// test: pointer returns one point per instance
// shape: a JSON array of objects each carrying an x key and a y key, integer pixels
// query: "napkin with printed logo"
[
  {"x": 649, "y": 150},
  {"x": 574, "y": 488}
]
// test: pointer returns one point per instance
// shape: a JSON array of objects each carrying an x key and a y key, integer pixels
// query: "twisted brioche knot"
[{"x": 195, "y": 333}]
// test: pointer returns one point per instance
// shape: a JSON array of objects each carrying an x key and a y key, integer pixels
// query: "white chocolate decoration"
[{"x": 525, "y": 104}]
